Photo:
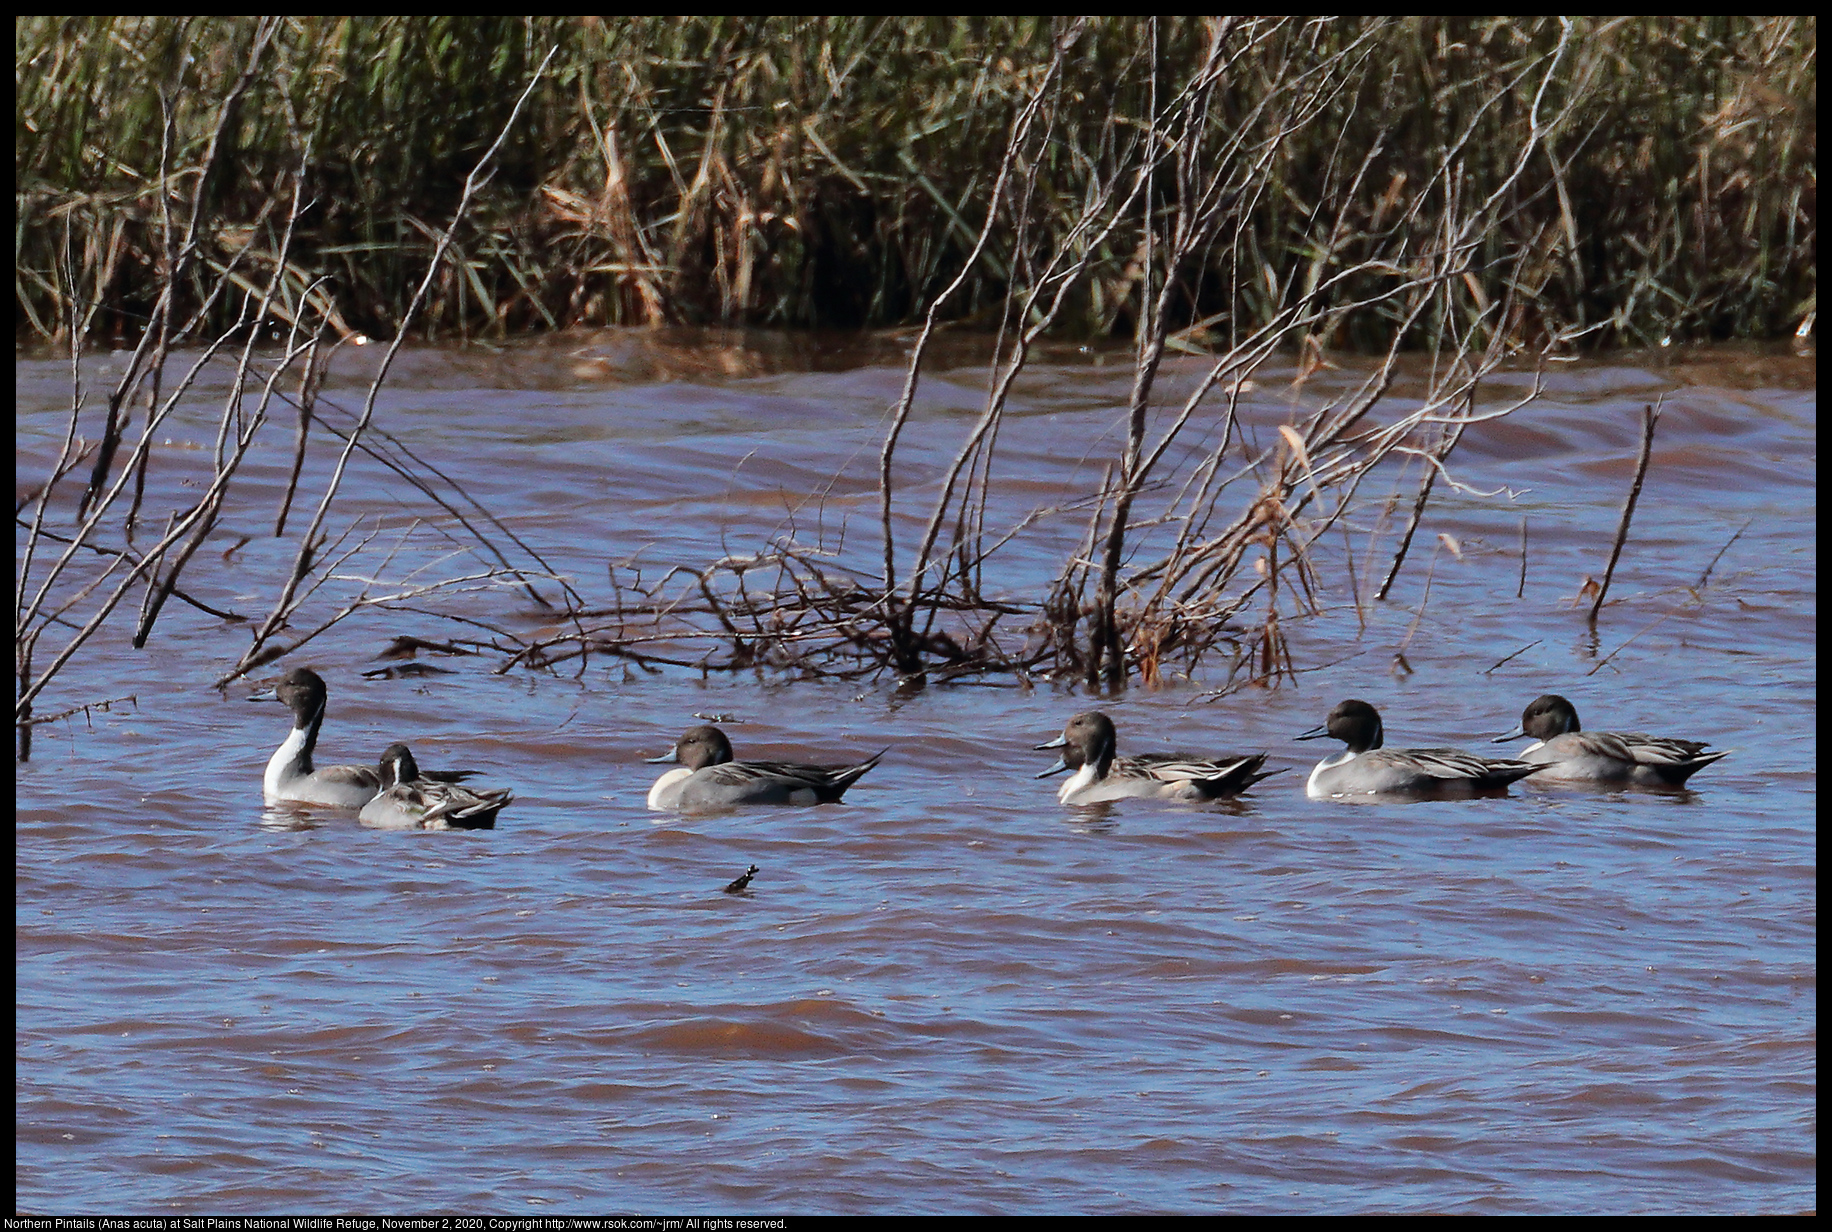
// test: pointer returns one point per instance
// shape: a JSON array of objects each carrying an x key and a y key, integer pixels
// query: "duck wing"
[
  {"x": 1211, "y": 774},
  {"x": 443, "y": 806},
  {"x": 1660, "y": 751},
  {"x": 827, "y": 783},
  {"x": 1454, "y": 765}
]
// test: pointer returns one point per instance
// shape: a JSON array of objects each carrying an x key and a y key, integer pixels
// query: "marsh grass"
[{"x": 792, "y": 171}]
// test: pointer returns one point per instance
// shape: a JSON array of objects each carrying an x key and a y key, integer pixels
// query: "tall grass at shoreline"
[{"x": 835, "y": 171}]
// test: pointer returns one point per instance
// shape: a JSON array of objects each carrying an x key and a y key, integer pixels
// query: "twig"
[
  {"x": 1418, "y": 511},
  {"x": 1649, "y": 417},
  {"x": 1424, "y": 598},
  {"x": 1706, "y": 575},
  {"x": 1618, "y": 650},
  {"x": 1520, "y": 591},
  {"x": 1523, "y": 650},
  {"x": 85, "y": 707}
]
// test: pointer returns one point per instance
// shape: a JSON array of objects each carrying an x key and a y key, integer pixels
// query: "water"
[{"x": 948, "y": 994}]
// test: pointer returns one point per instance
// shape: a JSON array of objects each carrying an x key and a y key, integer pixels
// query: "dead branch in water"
[
  {"x": 1152, "y": 588},
  {"x": 1704, "y": 578},
  {"x": 285, "y": 604},
  {"x": 1449, "y": 442},
  {"x": 1520, "y": 591},
  {"x": 1650, "y": 416},
  {"x": 100, "y": 562}
]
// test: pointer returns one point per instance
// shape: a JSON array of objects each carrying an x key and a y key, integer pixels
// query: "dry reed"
[{"x": 809, "y": 171}]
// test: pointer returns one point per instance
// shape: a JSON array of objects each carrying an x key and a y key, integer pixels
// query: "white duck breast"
[
  {"x": 291, "y": 776},
  {"x": 1089, "y": 745}
]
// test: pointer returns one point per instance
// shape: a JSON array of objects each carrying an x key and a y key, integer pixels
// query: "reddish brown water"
[{"x": 948, "y": 994}]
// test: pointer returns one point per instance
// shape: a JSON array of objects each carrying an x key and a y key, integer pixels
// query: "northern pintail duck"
[
  {"x": 1368, "y": 769},
  {"x": 290, "y": 774},
  {"x": 1090, "y": 747},
  {"x": 409, "y": 802},
  {"x": 709, "y": 778},
  {"x": 1572, "y": 755}
]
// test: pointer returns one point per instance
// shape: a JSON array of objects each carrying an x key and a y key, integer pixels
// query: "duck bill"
[
  {"x": 1519, "y": 733},
  {"x": 1057, "y": 743},
  {"x": 670, "y": 755},
  {"x": 1315, "y": 733},
  {"x": 1058, "y": 768}
]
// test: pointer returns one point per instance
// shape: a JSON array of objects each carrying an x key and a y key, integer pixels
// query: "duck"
[
  {"x": 408, "y": 801},
  {"x": 1369, "y": 769},
  {"x": 290, "y": 775},
  {"x": 1569, "y": 754},
  {"x": 1090, "y": 747},
  {"x": 709, "y": 778}
]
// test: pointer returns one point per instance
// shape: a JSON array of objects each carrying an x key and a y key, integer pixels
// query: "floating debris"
[
  {"x": 408, "y": 647},
  {"x": 405, "y": 670}
]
